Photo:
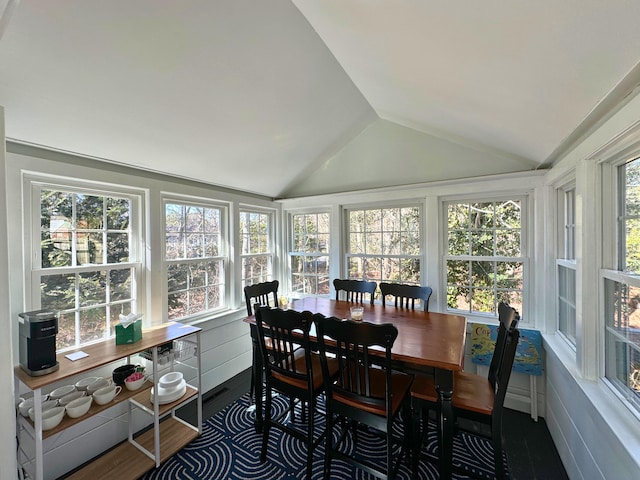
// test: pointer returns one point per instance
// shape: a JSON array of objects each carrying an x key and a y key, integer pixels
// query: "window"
[
  {"x": 256, "y": 249},
  {"x": 484, "y": 261},
  {"x": 384, "y": 244},
  {"x": 310, "y": 253},
  {"x": 195, "y": 258},
  {"x": 87, "y": 261},
  {"x": 566, "y": 263},
  {"x": 622, "y": 290}
]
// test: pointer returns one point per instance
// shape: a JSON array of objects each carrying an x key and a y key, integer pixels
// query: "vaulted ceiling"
[{"x": 261, "y": 96}]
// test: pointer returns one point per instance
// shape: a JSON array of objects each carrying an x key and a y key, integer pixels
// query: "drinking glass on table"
[{"x": 357, "y": 313}]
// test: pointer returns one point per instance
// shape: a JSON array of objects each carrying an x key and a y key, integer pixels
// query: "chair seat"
[
  {"x": 400, "y": 382},
  {"x": 301, "y": 367},
  {"x": 470, "y": 392}
]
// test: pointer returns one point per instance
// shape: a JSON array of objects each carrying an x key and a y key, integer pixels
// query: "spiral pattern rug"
[{"x": 229, "y": 449}]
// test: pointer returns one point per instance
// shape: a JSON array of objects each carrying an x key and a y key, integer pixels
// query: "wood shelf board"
[
  {"x": 127, "y": 462},
  {"x": 144, "y": 399},
  {"x": 105, "y": 352},
  {"x": 66, "y": 422}
]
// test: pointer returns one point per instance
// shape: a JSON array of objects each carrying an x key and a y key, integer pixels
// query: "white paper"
[{"x": 76, "y": 355}]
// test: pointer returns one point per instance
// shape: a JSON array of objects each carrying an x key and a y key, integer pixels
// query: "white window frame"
[
  {"x": 524, "y": 258},
  {"x": 304, "y": 255},
  {"x": 223, "y": 255},
  {"x": 34, "y": 184},
  {"x": 612, "y": 271},
  {"x": 420, "y": 257},
  {"x": 271, "y": 244},
  {"x": 566, "y": 259}
]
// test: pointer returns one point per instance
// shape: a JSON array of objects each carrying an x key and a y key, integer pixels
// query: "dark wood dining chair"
[
  {"x": 366, "y": 392},
  {"x": 283, "y": 335},
  {"x": 355, "y": 290},
  {"x": 405, "y": 296},
  {"x": 265, "y": 293},
  {"x": 475, "y": 397}
]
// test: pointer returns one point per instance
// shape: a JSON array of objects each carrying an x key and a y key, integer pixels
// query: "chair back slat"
[
  {"x": 265, "y": 293},
  {"x": 355, "y": 290},
  {"x": 405, "y": 296}
]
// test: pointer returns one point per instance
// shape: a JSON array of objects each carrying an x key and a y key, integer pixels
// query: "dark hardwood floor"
[{"x": 530, "y": 449}]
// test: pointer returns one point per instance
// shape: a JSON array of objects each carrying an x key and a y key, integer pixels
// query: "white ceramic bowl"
[
  {"x": 97, "y": 385},
  {"x": 64, "y": 401},
  {"x": 78, "y": 407},
  {"x": 134, "y": 384},
  {"x": 106, "y": 394},
  {"x": 52, "y": 417},
  {"x": 83, "y": 383},
  {"x": 49, "y": 404},
  {"x": 170, "y": 380},
  {"x": 62, "y": 391},
  {"x": 25, "y": 405}
]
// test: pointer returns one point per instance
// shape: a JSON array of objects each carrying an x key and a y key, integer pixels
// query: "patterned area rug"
[{"x": 229, "y": 449}]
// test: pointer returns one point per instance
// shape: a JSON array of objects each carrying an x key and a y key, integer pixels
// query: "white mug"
[{"x": 106, "y": 394}]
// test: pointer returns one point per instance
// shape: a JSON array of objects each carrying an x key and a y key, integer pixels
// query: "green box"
[{"x": 131, "y": 334}]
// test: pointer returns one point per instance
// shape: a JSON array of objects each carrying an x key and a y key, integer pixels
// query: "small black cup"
[{"x": 120, "y": 373}]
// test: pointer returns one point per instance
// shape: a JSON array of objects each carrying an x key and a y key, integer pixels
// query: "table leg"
[
  {"x": 257, "y": 379},
  {"x": 444, "y": 385}
]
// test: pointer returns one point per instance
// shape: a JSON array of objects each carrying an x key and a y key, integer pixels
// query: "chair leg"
[
  {"x": 328, "y": 446},
  {"x": 252, "y": 385},
  {"x": 266, "y": 427},
  {"x": 416, "y": 440},
  {"x": 309, "y": 441},
  {"x": 498, "y": 464}
]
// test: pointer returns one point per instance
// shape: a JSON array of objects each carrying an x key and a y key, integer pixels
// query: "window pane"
[
  {"x": 117, "y": 247},
  {"x": 482, "y": 243},
  {"x": 89, "y": 212},
  {"x": 92, "y": 288},
  {"x": 622, "y": 348},
  {"x": 484, "y": 230},
  {"x": 567, "y": 302},
  {"x": 93, "y": 323},
  {"x": 55, "y": 249},
  {"x": 118, "y": 213},
  {"x": 58, "y": 292},
  {"x": 120, "y": 284},
  {"x": 66, "y": 336},
  {"x": 459, "y": 242},
  {"x": 632, "y": 231},
  {"x": 508, "y": 243}
]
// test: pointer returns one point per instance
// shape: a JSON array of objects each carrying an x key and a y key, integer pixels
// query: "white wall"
[
  {"x": 7, "y": 423},
  {"x": 225, "y": 341}
]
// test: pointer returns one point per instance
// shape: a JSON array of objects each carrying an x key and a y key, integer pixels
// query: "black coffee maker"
[{"x": 38, "y": 331}]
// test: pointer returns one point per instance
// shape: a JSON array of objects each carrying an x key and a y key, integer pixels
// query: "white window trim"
[
  {"x": 334, "y": 233},
  {"x": 224, "y": 254},
  {"x": 33, "y": 184},
  {"x": 526, "y": 227},
  {"x": 408, "y": 203},
  {"x": 271, "y": 233}
]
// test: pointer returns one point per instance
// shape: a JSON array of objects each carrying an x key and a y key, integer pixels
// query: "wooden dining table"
[{"x": 428, "y": 341}]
